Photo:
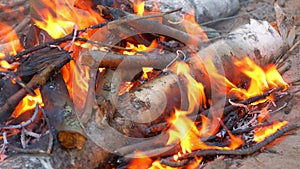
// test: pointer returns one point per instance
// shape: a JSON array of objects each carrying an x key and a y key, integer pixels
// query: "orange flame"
[
  {"x": 59, "y": 17},
  {"x": 140, "y": 161},
  {"x": 260, "y": 79},
  {"x": 192, "y": 27},
  {"x": 146, "y": 70},
  {"x": 139, "y": 8},
  {"x": 28, "y": 103},
  {"x": 264, "y": 132},
  {"x": 10, "y": 41},
  {"x": 184, "y": 130},
  {"x": 76, "y": 80},
  {"x": 139, "y": 48},
  {"x": 196, "y": 95}
]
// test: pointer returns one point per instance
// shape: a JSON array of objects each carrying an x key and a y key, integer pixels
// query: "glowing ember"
[{"x": 264, "y": 132}]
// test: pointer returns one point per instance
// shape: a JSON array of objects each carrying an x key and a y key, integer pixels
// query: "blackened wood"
[
  {"x": 38, "y": 80},
  {"x": 62, "y": 116}
]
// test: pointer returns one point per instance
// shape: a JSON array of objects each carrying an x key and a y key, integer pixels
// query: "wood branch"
[
  {"x": 152, "y": 26},
  {"x": 263, "y": 43},
  {"x": 95, "y": 59},
  {"x": 171, "y": 150},
  {"x": 38, "y": 80},
  {"x": 62, "y": 116},
  {"x": 148, "y": 144}
]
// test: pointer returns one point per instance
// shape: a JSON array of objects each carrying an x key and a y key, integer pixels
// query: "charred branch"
[{"x": 38, "y": 80}]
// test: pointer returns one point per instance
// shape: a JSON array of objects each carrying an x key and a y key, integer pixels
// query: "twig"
[
  {"x": 37, "y": 80},
  {"x": 238, "y": 104},
  {"x": 279, "y": 62},
  {"x": 22, "y": 124},
  {"x": 174, "y": 163},
  {"x": 20, "y": 83},
  {"x": 51, "y": 137},
  {"x": 78, "y": 32},
  {"x": 245, "y": 151},
  {"x": 26, "y": 151},
  {"x": 295, "y": 82},
  {"x": 57, "y": 41},
  {"x": 227, "y": 109},
  {"x": 285, "y": 67},
  {"x": 131, "y": 18}
]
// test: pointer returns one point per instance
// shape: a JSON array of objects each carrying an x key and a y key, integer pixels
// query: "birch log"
[
  {"x": 258, "y": 40},
  {"x": 204, "y": 10}
]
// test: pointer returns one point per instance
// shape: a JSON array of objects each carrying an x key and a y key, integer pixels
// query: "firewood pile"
[{"x": 146, "y": 84}]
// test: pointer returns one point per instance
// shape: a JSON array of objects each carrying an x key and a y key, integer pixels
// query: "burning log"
[
  {"x": 59, "y": 108},
  {"x": 263, "y": 45}
]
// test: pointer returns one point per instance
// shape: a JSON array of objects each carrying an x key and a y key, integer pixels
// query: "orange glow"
[
  {"x": 76, "y": 79},
  {"x": 139, "y": 48},
  {"x": 139, "y": 8},
  {"x": 264, "y": 132},
  {"x": 140, "y": 161},
  {"x": 264, "y": 114},
  {"x": 10, "y": 41},
  {"x": 196, "y": 95},
  {"x": 192, "y": 27},
  {"x": 274, "y": 78},
  {"x": 59, "y": 17},
  {"x": 184, "y": 130},
  {"x": 209, "y": 127},
  {"x": 125, "y": 87},
  {"x": 195, "y": 164},
  {"x": 260, "y": 79},
  {"x": 4, "y": 65},
  {"x": 28, "y": 103},
  {"x": 156, "y": 165}
]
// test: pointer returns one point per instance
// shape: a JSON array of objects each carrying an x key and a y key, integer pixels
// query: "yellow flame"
[
  {"x": 264, "y": 132},
  {"x": 28, "y": 103}
]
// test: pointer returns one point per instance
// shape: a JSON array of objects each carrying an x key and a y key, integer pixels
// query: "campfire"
[{"x": 140, "y": 84}]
